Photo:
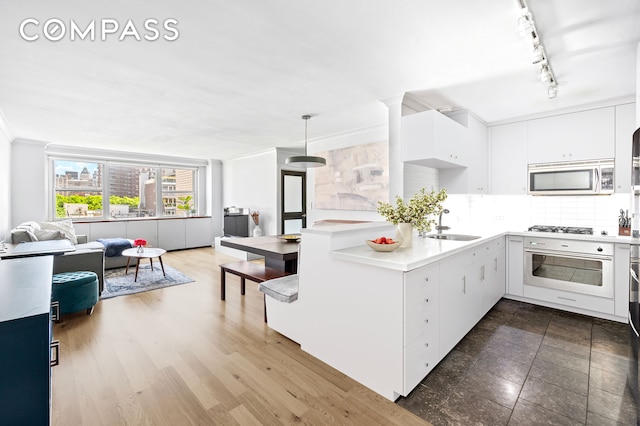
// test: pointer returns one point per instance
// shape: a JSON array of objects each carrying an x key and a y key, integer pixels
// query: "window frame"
[{"x": 198, "y": 172}]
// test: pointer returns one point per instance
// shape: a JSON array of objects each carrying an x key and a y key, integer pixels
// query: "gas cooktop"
[{"x": 561, "y": 229}]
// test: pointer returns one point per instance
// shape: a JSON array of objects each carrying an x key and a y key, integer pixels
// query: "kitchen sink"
[{"x": 454, "y": 237}]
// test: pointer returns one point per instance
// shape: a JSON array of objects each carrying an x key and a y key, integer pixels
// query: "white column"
[
  {"x": 638, "y": 85},
  {"x": 396, "y": 166}
]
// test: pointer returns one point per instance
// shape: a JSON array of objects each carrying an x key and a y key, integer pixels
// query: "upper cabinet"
[
  {"x": 432, "y": 139},
  {"x": 625, "y": 126},
  {"x": 586, "y": 135},
  {"x": 509, "y": 158}
]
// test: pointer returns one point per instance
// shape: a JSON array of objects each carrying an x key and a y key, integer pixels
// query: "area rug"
[{"x": 116, "y": 283}]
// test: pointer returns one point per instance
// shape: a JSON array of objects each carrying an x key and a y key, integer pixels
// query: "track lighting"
[{"x": 527, "y": 29}]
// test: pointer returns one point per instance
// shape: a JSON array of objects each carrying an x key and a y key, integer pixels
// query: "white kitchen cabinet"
[
  {"x": 453, "y": 301},
  {"x": 625, "y": 126},
  {"x": 515, "y": 265},
  {"x": 432, "y": 139},
  {"x": 494, "y": 275},
  {"x": 621, "y": 265},
  {"x": 421, "y": 318},
  {"x": 586, "y": 135},
  {"x": 471, "y": 282},
  {"x": 474, "y": 178},
  {"x": 508, "y": 146}
]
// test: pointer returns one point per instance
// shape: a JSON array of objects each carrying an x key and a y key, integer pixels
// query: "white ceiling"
[{"x": 242, "y": 72}]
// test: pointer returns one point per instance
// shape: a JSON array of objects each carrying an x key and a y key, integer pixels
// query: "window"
[
  {"x": 132, "y": 191},
  {"x": 178, "y": 196},
  {"x": 78, "y": 189},
  {"x": 81, "y": 189}
]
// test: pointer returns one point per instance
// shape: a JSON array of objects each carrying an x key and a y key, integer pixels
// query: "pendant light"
[{"x": 306, "y": 160}]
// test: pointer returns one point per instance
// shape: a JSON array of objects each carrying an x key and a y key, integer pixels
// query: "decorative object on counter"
[
  {"x": 306, "y": 160},
  {"x": 140, "y": 243},
  {"x": 416, "y": 213},
  {"x": 384, "y": 244},
  {"x": 291, "y": 238},
  {"x": 624, "y": 223},
  {"x": 257, "y": 231}
]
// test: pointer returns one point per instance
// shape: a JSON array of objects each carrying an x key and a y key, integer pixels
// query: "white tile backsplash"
[{"x": 518, "y": 212}]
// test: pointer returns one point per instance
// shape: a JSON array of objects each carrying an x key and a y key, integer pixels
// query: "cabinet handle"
[
  {"x": 426, "y": 345},
  {"x": 55, "y": 353},
  {"x": 55, "y": 310},
  {"x": 495, "y": 265},
  {"x": 464, "y": 285},
  {"x": 427, "y": 320},
  {"x": 426, "y": 300},
  {"x": 566, "y": 298},
  {"x": 427, "y": 279},
  {"x": 482, "y": 273},
  {"x": 426, "y": 364}
]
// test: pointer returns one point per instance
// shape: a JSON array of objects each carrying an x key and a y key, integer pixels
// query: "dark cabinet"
[{"x": 25, "y": 333}]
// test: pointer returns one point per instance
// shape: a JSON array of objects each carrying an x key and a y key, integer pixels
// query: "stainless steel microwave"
[{"x": 572, "y": 178}]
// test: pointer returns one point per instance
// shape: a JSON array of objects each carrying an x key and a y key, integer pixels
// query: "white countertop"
[{"x": 428, "y": 250}]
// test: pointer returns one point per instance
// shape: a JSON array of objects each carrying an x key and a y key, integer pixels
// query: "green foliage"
[
  {"x": 93, "y": 202},
  {"x": 416, "y": 211},
  {"x": 185, "y": 203}
]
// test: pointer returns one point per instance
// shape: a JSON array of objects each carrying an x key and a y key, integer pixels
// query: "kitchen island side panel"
[{"x": 353, "y": 315}]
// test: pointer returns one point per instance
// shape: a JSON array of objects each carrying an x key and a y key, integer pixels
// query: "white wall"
[
  {"x": 252, "y": 182},
  {"x": 28, "y": 181},
  {"x": 5, "y": 179}
]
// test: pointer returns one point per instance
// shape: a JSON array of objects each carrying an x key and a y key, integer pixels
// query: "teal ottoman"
[{"x": 75, "y": 291}]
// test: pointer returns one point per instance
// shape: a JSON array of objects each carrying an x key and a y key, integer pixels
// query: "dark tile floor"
[{"x": 529, "y": 365}]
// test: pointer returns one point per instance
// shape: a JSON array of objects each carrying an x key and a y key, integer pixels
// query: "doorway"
[{"x": 293, "y": 210}]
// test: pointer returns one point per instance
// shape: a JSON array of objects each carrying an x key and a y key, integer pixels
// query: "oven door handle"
[{"x": 570, "y": 254}]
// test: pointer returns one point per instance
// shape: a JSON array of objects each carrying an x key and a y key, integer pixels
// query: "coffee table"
[{"x": 148, "y": 253}]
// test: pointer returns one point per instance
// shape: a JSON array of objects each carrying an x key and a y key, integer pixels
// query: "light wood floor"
[{"x": 180, "y": 356}]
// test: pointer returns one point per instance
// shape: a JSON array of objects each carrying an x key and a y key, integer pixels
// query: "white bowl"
[{"x": 384, "y": 247}]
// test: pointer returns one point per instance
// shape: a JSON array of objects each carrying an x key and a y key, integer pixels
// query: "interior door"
[{"x": 293, "y": 210}]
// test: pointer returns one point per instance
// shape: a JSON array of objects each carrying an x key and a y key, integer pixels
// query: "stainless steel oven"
[{"x": 584, "y": 267}]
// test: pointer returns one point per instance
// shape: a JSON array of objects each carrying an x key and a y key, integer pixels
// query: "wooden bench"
[{"x": 251, "y": 271}]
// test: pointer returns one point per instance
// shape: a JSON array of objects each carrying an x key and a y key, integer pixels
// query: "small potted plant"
[
  {"x": 417, "y": 213},
  {"x": 185, "y": 204}
]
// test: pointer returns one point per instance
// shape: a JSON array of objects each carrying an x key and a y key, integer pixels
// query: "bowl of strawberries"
[{"x": 383, "y": 244}]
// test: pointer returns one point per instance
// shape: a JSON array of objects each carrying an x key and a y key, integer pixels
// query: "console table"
[{"x": 25, "y": 330}]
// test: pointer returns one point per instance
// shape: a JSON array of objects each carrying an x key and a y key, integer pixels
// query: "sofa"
[{"x": 88, "y": 255}]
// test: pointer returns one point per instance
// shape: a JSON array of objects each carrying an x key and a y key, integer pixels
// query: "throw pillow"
[
  {"x": 49, "y": 234},
  {"x": 25, "y": 232},
  {"x": 64, "y": 226}
]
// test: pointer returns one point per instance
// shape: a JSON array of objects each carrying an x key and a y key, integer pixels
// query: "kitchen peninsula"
[
  {"x": 387, "y": 319},
  {"x": 377, "y": 317}
]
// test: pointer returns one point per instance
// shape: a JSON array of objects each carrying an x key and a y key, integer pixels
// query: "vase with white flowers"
[{"x": 419, "y": 213}]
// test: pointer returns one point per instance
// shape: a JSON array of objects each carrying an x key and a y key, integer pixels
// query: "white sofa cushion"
[{"x": 64, "y": 226}]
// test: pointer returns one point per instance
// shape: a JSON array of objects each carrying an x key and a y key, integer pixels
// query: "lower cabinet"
[
  {"x": 421, "y": 324},
  {"x": 443, "y": 301}
]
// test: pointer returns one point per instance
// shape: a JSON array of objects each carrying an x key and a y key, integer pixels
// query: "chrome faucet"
[{"x": 440, "y": 228}]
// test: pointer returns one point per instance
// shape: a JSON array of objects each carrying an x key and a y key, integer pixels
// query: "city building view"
[{"x": 101, "y": 190}]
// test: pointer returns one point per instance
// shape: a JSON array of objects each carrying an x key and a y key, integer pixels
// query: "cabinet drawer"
[
  {"x": 418, "y": 325},
  {"x": 421, "y": 290},
  {"x": 582, "y": 301},
  {"x": 419, "y": 359},
  {"x": 421, "y": 302}
]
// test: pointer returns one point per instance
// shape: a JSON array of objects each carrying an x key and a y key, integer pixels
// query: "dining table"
[{"x": 279, "y": 253}]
